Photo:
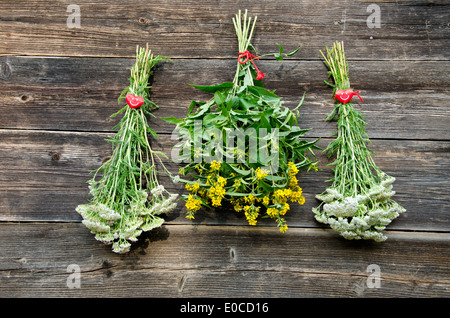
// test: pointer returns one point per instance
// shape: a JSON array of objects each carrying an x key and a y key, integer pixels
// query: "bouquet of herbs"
[
  {"x": 127, "y": 198},
  {"x": 358, "y": 204},
  {"x": 257, "y": 175}
]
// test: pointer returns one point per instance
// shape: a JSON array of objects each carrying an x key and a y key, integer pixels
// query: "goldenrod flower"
[
  {"x": 216, "y": 201},
  {"x": 301, "y": 200},
  {"x": 193, "y": 188},
  {"x": 190, "y": 215},
  {"x": 216, "y": 193},
  {"x": 293, "y": 181},
  {"x": 237, "y": 207},
  {"x": 222, "y": 181},
  {"x": 281, "y": 196},
  {"x": 261, "y": 173},
  {"x": 284, "y": 209},
  {"x": 265, "y": 200},
  {"x": 272, "y": 212},
  {"x": 293, "y": 170},
  {"x": 251, "y": 213},
  {"x": 215, "y": 165},
  {"x": 193, "y": 204},
  {"x": 283, "y": 228}
]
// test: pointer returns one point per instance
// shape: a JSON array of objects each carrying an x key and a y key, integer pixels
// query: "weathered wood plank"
[
  {"x": 43, "y": 178},
  {"x": 408, "y": 29},
  {"x": 81, "y": 93},
  {"x": 55, "y": 116},
  {"x": 204, "y": 261}
]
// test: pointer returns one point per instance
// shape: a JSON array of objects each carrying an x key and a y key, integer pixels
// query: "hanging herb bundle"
[
  {"x": 358, "y": 204},
  {"x": 257, "y": 174},
  {"x": 127, "y": 198}
]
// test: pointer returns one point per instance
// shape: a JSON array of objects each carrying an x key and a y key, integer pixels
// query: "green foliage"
[
  {"x": 126, "y": 194},
  {"x": 358, "y": 204},
  {"x": 243, "y": 177}
]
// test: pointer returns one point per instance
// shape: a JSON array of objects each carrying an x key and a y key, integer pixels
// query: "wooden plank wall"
[{"x": 59, "y": 85}]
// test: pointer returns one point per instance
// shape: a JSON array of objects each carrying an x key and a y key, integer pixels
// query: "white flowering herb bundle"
[
  {"x": 358, "y": 204},
  {"x": 127, "y": 198},
  {"x": 243, "y": 147}
]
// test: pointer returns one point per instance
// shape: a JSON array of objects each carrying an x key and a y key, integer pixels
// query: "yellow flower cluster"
[
  {"x": 193, "y": 204},
  {"x": 215, "y": 165},
  {"x": 251, "y": 213},
  {"x": 261, "y": 173},
  {"x": 282, "y": 196},
  {"x": 283, "y": 228},
  {"x": 216, "y": 192},
  {"x": 293, "y": 170},
  {"x": 275, "y": 203},
  {"x": 296, "y": 195},
  {"x": 193, "y": 188}
]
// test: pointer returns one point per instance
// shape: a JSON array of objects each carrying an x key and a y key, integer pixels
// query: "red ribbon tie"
[{"x": 247, "y": 55}]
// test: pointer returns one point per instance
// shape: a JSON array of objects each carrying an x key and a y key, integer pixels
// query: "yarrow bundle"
[
  {"x": 127, "y": 198},
  {"x": 358, "y": 204},
  {"x": 255, "y": 181}
]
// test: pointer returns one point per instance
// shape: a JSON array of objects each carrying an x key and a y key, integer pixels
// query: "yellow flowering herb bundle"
[
  {"x": 243, "y": 148},
  {"x": 358, "y": 204},
  {"x": 127, "y": 197}
]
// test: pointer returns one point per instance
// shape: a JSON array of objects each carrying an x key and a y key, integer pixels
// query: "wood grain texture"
[
  {"x": 59, "y": 85},
  {"x": 81, "y": 93},
  {"x": 45, "y": 173},
  {"x": 203, "y": 29},
  {"x": 204, "y": 261}
]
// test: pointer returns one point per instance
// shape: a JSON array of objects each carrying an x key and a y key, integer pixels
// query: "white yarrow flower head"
[
  {"x": 157, "y": 191},
  {"x": 176, "y": 179},
  {"x": 366, "y": 206}
]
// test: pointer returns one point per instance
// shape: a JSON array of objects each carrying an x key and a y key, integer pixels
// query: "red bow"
[
  {"x": 344, "y": 96},
  {"x": 248, "y": 55}
]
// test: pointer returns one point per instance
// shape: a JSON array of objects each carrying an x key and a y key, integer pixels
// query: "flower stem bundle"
[
  {"x": 243, "y": 147},
  {"x": 127, "y": 198},
  {"x": 358, "y": 204}
]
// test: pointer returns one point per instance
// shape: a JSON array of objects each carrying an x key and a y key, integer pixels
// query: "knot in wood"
[{"x": 55, "y": 156}]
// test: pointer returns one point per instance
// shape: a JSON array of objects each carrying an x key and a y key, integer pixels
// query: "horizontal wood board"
[{"x": 59, "y": 86}]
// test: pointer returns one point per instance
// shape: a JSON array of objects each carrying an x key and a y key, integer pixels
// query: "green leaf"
[
  {"x": 120, "y": 111},
  {"x": 274, "y": 178},
  {"x": 293, "y": 52},
  {"x": 214, "y": 88},
  {"x": 281, "y": 48},
  {"x": 172, "y": 120},
  {"x": 192, "y": 106},
  {"x": 241, "y": 172},
  {"x": 262, "y": 91},
  {"x": 279, "y": 55},
  {"x": 219, "y": 98},
  {"x": 237, "y": 194},
  {"x": 203, "y": 109},
  {"x": 160, "y": 153},
  {"x": 301, "y": 102}
]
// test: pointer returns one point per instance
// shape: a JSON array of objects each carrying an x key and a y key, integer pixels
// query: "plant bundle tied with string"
[
  {"x": 358, "y": 204},
  {"x": 243, "y": 147},
  {"x": 126, "y": 195}
]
